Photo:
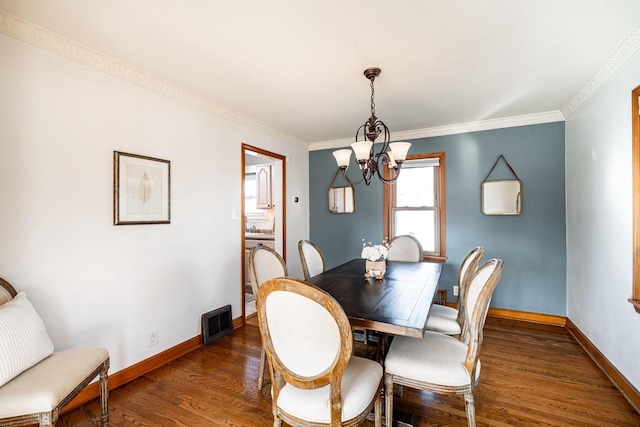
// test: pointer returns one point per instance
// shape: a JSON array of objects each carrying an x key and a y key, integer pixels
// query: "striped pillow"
[{"x": 23, "y": 338}]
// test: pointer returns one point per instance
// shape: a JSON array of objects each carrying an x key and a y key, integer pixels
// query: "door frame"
[{"x": 282, "y": 202}]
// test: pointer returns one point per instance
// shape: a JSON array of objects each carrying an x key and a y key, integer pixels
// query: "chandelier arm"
[
  {"x": 392, "y": 180},
  {"x": 387, "y": 138},
  {"x": 382, "y": 163},
  {"x": 389, "y": 181},
  {"x": 363, "y": 132}
]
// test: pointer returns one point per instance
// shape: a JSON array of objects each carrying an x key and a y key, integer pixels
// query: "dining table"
[{"x": 397, "y": 304}]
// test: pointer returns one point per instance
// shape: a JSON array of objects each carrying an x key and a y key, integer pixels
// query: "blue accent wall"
[{"x": 531, "y": 244}]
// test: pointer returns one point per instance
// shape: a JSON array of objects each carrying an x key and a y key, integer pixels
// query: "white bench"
[{"x": 38, "y": 394}]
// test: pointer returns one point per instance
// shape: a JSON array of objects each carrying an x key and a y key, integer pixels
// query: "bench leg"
[
  {"x": 104, "y": 394},
  {"x": 48, "y": 419}
]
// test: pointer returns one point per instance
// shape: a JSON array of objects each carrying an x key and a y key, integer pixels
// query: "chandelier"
[{"x": 391, "y": 155}]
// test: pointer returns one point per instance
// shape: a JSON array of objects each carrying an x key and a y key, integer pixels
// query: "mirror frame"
[
  {"x": 347, "y": 202},
  {"x": 333, "y": 206},
  {"x": 502, "y": 197}
]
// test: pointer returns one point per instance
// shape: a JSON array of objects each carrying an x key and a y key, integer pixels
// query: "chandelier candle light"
[{"x": 392, "y": 154}]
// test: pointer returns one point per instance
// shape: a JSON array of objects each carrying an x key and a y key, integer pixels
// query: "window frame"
[
  {"x": 389, "y": 200},
  {"x": 258, "y": 213},
  {"x": 635, "y": 155}
]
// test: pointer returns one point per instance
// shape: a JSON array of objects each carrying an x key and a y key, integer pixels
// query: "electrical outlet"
[
  {"x": 152, "y": 338},
  {"x": 455, "y": 291}
]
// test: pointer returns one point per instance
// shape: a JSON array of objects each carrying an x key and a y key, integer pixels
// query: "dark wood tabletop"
[{"x": 398, "y": 304}]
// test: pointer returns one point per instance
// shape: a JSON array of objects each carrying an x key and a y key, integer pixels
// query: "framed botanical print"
[{"x": 141, "y": 189}]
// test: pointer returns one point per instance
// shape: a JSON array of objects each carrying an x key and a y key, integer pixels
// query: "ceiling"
[{"x": 296, "y": 67}]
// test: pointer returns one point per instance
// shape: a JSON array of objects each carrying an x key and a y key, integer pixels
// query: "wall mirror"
[
  {"x": 502, "y": 197},
  {"x": 341, "y": 200}
]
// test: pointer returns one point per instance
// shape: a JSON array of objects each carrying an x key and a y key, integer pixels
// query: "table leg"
[{"x": 382, "y": 348}]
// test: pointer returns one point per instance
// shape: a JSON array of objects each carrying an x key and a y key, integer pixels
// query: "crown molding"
[
  {"x": 625, "y": 50},
  {"x": 506, "y": 122},
  {"x": 33, "y": 34}
]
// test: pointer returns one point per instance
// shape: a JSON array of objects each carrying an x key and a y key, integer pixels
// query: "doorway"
[{"x": 263, "y": 211}]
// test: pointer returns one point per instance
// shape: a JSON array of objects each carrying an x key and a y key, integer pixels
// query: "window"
[
  {"x": 415, "y": 204},
  {"x": 250, "y": 197},
  {"x": 635, "y": 155}
]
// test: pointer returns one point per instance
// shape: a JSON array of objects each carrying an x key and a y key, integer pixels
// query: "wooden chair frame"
[
  {"x": 464, "y": 278},
  {"x": 253, "y": 278},
  {"x": 475, "y": 337},
  {"x": 280, "y": 374},
  {"x": 49, "y": 419},
  {"x": 303, "y": 258},
  {"x": 447, "y": 315}
]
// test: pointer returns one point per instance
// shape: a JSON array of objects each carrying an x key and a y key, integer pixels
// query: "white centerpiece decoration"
[{"x": 376, "y": 256}]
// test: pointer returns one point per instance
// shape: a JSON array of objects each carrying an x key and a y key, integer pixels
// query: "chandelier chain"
[{"x": 373, "y": 104}]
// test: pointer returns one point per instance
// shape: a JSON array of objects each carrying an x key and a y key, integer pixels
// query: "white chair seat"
[
  {"x": 443, "y": 319},
  {"x": 359, "y": 385},
  {"x": 42, "y": 387},
  {"x": 440, "y": 363},
  {"x": 434, "y": 359}
]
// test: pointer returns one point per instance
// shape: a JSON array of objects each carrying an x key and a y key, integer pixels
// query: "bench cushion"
[
  {"x": 23, "y": 337},
  {"x": 43, "y": 386}
]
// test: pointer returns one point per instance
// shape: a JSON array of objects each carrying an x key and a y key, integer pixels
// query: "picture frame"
[
  {"x": 503, "y": 197},
  {"x": 141, "y": 189}
]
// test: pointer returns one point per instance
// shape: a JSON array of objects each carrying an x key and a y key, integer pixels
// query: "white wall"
[
  {"x": 599, "y": 221},
  {"x": 99, "y": 284}
]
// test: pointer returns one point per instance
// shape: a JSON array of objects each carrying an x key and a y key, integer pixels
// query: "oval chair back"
[
  {"x": 405, "y": 248},
  {"x": 308, "y": 340},
  {"x": 467, "y": 268},
  {"x": 476, "y": 304},
  {"x": 311, "y": 259},
  {"x": 264, "y": 264}
]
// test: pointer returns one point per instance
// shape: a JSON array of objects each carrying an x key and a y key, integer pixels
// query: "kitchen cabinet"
[{"x": 263, "y": 187}]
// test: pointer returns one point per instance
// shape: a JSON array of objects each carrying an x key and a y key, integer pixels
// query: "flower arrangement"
[
  {"x": 376, "y": 256},
  {"x": 374, "y": 252}
]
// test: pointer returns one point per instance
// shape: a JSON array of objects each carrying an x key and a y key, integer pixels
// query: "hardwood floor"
[{"x": 532, "y": 375}]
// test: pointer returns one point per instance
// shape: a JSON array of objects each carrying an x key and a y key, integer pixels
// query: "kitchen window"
[{"x": 250, "y": 197}]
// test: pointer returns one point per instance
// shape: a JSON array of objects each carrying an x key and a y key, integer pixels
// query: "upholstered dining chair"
[
  {"x": 264, "y": 264},
  {"x": 313, "y": 264},
  {"x": 441, "y": 363},
  {"x": 405, "y": 248},
  {"x": 36, "y": 382},
  {"x": 311, "y": 259},
  {"x": 450, "y": 320},
  {"x": 316, "y": 380}
]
